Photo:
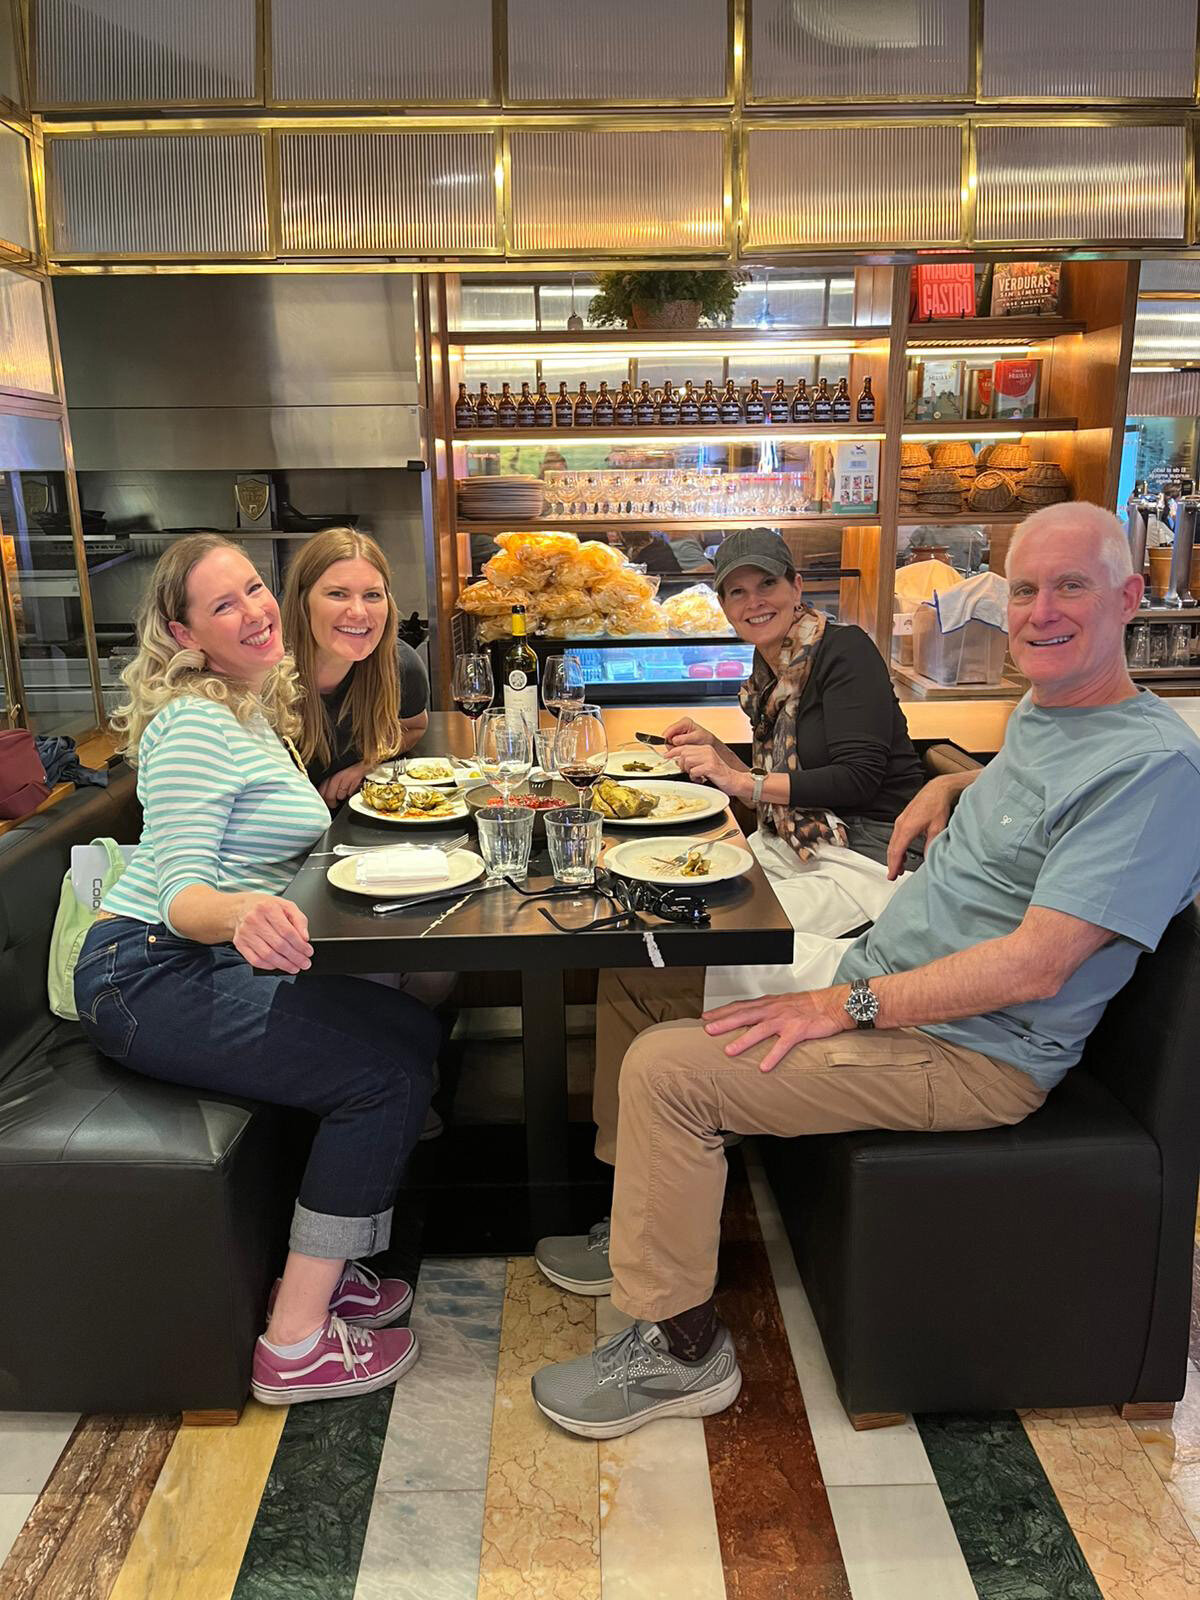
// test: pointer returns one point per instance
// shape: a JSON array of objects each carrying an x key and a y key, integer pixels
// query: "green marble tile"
[{"x": 1013, "y": 1533}]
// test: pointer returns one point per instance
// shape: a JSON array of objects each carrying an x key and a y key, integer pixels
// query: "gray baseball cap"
[{"x": 753, "y": 547}]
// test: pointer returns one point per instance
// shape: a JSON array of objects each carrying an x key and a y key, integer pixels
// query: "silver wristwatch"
[
  {"x": 861, "y": 1005},
  {"x": 760, "y": 776}
]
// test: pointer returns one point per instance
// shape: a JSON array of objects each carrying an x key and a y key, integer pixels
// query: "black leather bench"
[
  {"x": 142, "y": 1223},
  {"x": 1048, "y": 1264}
]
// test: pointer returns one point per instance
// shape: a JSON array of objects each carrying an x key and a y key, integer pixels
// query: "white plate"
[
  {"x": 458, "y": 775},
  {"x": 357, "y": 803},
  {"x": 707, "y": 803},
  {"x": 465, "y": 866},
  {"x": 634, "y": 858},
  {"x": 618, "y": 764}
]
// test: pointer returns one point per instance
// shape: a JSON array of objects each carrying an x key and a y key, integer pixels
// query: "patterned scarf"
[{"x": 770, "y": 703}]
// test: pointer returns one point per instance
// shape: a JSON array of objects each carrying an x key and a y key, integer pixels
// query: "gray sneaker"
[
  {"x": 633, "y": 1378},
  {"x": 577, "y": 1261}
]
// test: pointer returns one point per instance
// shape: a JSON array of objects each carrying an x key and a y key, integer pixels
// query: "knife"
[
  {"x": 650, "y": 738},
  {"x": 382, "y": 907}
]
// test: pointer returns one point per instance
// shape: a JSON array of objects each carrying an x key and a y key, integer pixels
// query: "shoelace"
[
  {"x": 618, "y": 1354},
  {"x": 598, "y": 1237},
  {"x": 356, "y": 1273},
  {"x": 353, "y": 1341}
]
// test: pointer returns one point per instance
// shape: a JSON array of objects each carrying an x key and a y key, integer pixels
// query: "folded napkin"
[
  {"x": 401, "y": 863},
  {"x": 983, "y": 598}
]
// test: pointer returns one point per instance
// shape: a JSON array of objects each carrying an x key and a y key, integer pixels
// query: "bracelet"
[{"x": 759, "y": 779}]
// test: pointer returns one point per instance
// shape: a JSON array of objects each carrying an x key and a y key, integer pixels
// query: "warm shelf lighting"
[
  {"x": 998, "y": 350},
  {"x": 982, "y": 433},
  {"x": 664, "y": 436},
  {"x": 621, "y": 347}
]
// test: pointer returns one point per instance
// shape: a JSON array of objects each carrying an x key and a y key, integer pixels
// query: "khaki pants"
[{"x": 678, "y": 1090}]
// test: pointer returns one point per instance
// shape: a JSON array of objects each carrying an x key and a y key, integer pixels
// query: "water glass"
[
  {"x": 544, "y": 739},
  {"x": 505, "y": 839},
  {"x": 504, "y": 749},
  {"x": 574, "y": 838}
]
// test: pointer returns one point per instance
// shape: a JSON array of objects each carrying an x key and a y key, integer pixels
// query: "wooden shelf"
[
  {"x": 974, "y": 427},
  {"x": 716, "y": 433},
  {"x": 1161, "y": 674},
  {"x": 664, "y": 523},
  {"x": 1007, "y": 689},
  {"x": 1166, "y": 614},
  {"x": 905, "y": 518},
  {"x": 733, "y": 337},
  {"x": 989, "y": 330}
]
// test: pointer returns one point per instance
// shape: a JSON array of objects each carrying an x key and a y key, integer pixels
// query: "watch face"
[{"x": 862, "y": 1005}]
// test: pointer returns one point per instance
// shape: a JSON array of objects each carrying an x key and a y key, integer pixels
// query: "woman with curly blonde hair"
[
  {"x": 166, "y": 981},
  {"x": 366, "y": 691}
]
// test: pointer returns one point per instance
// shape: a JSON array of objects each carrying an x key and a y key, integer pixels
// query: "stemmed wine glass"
[
  {"x": 562, "y": 683},
  {"x": 504, "y": 750},
  {"x": 581, "y": 748},
  {"x": 473, "y": 690}
]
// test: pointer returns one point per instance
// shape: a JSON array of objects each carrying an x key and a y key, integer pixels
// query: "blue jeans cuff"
[{"x": 316, "y": 1233}]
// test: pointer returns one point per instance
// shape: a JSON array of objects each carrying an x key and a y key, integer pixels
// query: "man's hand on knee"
[{"x": 789, "y": 1018}]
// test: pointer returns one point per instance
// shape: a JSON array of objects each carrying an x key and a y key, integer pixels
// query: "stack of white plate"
[{"x": 497, "y": 499}]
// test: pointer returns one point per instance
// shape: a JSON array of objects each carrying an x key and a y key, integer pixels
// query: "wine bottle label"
[
  {"x": 603, "y": 413},
  {"x": 525, "y": 416},
  {"x": 543, "y": 415},
  {"x": 709, "y": 411},
  {"x": 755, "y": 411},
  {"x": 485, "y": 419},
  {"x": 645, "y": 412},
  {"x": 464, "y": 416},
  {"x": 731, "y": 411},
  {"x": 668, "y": 414},
  {"x": 623, "y": 413},
  {"x": 583, "y": 416},
  {"x": 779, "y": 410},
  {"x": 866, "y": 411},
  {"x": 562, "y": 414},
  {"x": 822, "y": 411},
  {"x": 841, "y": 411},
  {"x": 689, "y": 411},
  {"x": 521, "y": 698}
]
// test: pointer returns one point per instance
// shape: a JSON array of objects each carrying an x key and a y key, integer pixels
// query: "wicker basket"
[
  {"x": 1047, "y": 474},
  {"x": 953, "y": 453},
  {"x": 1009, "y": 457},
  {"x": 914, "y": 455},
  {"x": 940, "y": 493},
  {"x": 991, "y": 491}
]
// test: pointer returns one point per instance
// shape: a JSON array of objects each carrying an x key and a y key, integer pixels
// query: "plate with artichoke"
[
  {"x": 673, "y": 860},
  {"x": 652, "y": 802},
  {"x": 407, "y": 803}
]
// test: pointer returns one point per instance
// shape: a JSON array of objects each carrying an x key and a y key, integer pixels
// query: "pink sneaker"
[
  {"x": 344, "y": 1361},
  {"x": 363, "y": 1298}
]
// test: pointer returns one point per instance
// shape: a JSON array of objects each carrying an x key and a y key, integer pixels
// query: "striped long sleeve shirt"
[{"x": 223, "y": 805}]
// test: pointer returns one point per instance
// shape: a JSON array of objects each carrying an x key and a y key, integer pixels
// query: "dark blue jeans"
[{"x": 357, "y": 1054}]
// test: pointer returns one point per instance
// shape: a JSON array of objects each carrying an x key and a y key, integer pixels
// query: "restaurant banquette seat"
[
  {"x": 1049, "y": 1264},
  {"x": 141, "y": 1222}
]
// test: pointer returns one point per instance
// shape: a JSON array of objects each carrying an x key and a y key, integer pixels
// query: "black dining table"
[{"x": 496, "y": 929}]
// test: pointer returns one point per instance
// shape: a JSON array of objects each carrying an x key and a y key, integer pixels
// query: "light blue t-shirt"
[{"x": 1093, "y": 811}]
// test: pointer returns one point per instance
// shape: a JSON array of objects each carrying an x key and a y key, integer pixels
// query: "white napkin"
[
  {"x": 983, "y": 598},
  {"x": 404, "y": 863}
]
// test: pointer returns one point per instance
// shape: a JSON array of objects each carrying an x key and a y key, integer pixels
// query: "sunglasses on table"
[{"x": 631, "y": 898}]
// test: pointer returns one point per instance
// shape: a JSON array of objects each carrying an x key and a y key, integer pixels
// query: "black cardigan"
[{"x": 851, "y": 737}]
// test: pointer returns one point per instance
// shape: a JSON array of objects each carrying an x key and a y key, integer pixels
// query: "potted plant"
[{"x": 664, "y": 299}]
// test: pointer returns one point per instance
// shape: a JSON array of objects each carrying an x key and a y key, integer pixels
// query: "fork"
[
  {"x": 361, "y": 849},
  {"x": 678, "y": 861}
]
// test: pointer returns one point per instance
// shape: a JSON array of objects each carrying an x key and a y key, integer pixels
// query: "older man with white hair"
[{"x": 969, "y": 999}]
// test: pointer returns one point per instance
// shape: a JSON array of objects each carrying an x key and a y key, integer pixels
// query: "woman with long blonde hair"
[
  {"x": 166, "y": 982},
  {"x": 366, "y": 690}
]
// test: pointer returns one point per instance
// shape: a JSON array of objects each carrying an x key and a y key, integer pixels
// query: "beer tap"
[
  {"x": 1137, "y": 514},
  {"x": 1178, "y": 593}
]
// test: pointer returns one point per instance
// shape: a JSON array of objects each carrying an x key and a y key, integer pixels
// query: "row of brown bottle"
[{"x": 666, "y": 407}]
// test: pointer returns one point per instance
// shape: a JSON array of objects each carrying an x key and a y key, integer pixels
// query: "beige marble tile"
[
  {"x": 658, "y": 1529},
  {"x": 1174, "y": 1446},
  {"x": 541, "y": 1523},
  {"x": 1132, "y": 1533},
  {"x": 30, "y": 1444},
  {"x": 14, "y": 1508},
  {"x": 898, "y": 1543}
]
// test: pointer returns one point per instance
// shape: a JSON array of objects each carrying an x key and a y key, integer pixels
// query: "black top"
[
  {"x": 414, "y": 698},
  {"x": 851, "y": 737},
  {"x": 657, "y": 556}
]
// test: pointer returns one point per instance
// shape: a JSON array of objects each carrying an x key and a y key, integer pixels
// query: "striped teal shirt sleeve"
[{"x": 189, "y": 783}]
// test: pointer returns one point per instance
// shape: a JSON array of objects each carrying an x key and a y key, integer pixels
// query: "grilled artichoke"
[{"x": 622, "y": 800}]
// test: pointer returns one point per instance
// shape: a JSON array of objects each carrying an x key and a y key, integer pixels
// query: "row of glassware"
[{"x": 678, "y": 492}]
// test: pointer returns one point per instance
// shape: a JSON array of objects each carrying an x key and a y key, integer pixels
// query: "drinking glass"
[
  {"x": 573, "y": 834},
  {"x": 1137, "y": 645},
  {"x": 504, "y": 749},
  {"x": 562, "y": 683},
  {"x": 473, "y": 690},
  {"x": 544, "y": 742},
  {"x": 505, "y": 840},
  {"x": 581, "y": 747}
]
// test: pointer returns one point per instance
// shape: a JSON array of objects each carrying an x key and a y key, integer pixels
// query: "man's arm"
[
  {"x": 1031, "y": 963},
  {"x": 926, "y": 815}
]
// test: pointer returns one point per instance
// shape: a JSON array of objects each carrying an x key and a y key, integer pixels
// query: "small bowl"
[{"x": 486, "y": 795}]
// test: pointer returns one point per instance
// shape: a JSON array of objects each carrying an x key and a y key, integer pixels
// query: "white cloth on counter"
[
  {"x": 823, "y": 898},
  {"x": 401, "y": 863},
  {"x": 983, "y": 598}
]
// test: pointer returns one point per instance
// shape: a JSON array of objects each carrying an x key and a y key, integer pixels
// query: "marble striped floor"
[{"x": 453, "y": 1487}]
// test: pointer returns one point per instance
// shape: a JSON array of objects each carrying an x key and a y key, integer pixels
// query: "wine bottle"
[
  {"x": 624, "y": 409},
  {"x": 564, "y": 413},
  {"x": 506, "y": 408},
  {"x": 543, "y": 411},
  {"x": 668, "y": 407},
  {"x": 520, "y": 674},
  {"x": 464, "y": 410},
  {"x": 644, "y": 411},
  {"x": 866, "y": 403},
  {"x": 756, "y": 404},
  {"x": 801, "y": 403},
  {"x": 840, "y": 405},
  {"x": 780, "y": 411},
  {"x": 485, "y": 409},
  {"x": 526, "y": 410},
  {"x": 731, "y": 404},
  {"x": 710, "y": 409},
  {"x": 604, "y": 410},
  {"x": 822, "y": 406},
  {"x": 584, "y": 409},
  {"x": 689, "y": 406}
]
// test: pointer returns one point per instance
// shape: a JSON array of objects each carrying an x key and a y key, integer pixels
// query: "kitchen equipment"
[
  {"x": 292, "y": 521},
  {"x": 1178, "y": 590}
]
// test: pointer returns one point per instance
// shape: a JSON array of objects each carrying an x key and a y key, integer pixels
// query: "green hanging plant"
[{"x": 664, "y": 299}]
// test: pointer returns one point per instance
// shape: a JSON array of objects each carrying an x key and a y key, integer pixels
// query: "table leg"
[{"x": 544, "y": 1040}]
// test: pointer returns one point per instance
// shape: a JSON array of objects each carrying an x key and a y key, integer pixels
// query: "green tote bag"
[{"x": 72, "y": 923}]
